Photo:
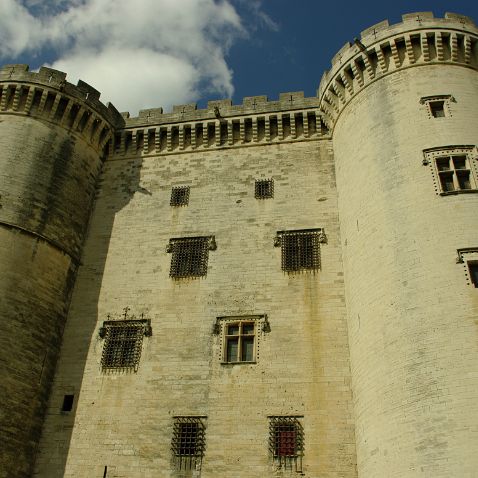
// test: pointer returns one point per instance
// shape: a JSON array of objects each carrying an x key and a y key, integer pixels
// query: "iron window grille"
[
  {"x": 180, "y": 196},
  {"x": 454, "y": 169},
  {"x": 188, "y": 443},
  {"x": 264, "y": 189},
  {"x": 286, "y": 441},
  {"x": 190, "y": 256},
  {"x": 123, "y": 343},
  {"x": 300, "y": 249}
]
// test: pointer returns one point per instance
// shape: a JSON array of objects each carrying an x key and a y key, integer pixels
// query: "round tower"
[
  {"x": 402, "y": 103},
  {"x": 53, "y": 137}
]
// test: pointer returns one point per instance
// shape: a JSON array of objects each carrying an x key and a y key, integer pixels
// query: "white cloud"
[
  {"x": 148, "y": 79},
  {"x": 16, "y": 27},
  {"x": 142, "y": 53}
]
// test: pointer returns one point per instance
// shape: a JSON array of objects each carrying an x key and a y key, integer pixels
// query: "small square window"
[
  {"x": 300, "y": 249},
  {"x": 437, "y": 109},
  {"x": 286, "y": 441},
  {"x": 180, "y": 196},
  {"x": 454, "y": 169},
  {"x": 437, "y": 106},
  {"x": 190, "y": 256},
  {"x": 239, "y": 342},
  {"x": 67, "y": 403},
  {"x": 188, "y": 443},
  {"x": 123, "y": 343},
  {"x": 264, "y": 189},
  {"x": 473, "y": 269}
]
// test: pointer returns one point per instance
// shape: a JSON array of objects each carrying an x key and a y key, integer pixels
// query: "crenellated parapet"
[
  {"x": 47, "y": 95},
  {"x": 420, "y": 39},
  {"x": 257, "y": 121}
]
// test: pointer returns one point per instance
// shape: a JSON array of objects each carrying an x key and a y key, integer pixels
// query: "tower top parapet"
[
  {"x": 221, "y": 109},
  {"x": 47, "y": 95},
  {"x": 52, "y": 79},
  {"x": 383, "y": 48}
]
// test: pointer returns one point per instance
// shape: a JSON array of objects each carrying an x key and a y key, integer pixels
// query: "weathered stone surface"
[{"x": 375, "y": 352}]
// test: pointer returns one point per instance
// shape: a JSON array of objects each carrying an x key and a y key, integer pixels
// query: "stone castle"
[{"x": 273, "y": 289}]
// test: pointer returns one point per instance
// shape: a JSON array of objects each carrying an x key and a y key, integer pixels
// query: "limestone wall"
[
  {"x": 124, "y": 421},
  {"x": 51, "y": 157},
  {"x": 411, "y": 307}
]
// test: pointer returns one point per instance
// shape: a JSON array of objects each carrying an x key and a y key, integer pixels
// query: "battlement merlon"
[
  {"x": 384, "y": 48},
  {"x": 56, "y": 80},
  {"x": 218, "y": 109}
]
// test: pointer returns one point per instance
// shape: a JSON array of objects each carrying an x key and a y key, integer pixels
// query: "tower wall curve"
[
  {"x": 398, "y": 100},
  {"x": 53, "y": 137}
]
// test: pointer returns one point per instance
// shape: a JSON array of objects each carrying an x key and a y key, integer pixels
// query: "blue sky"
[{"x": 151, "y": 53}]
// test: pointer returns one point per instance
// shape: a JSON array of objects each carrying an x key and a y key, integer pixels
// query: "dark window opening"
[
  {"x": 273, "y": 127},
  {"x": 286, "y": 126},
  {"x": 473, "y": 268},
  {"x": 179, "y": 196},
  {"x": 447, "y": 182},
  {"x": 437, "y": 109},
  {"x": 223, "y": 136},
  {"x": 299, "y": 124},
  {"x": 187, "y": 136},
  {"x": 463, "y": 178},
  {"x": 199, "y": 134},
  {"x": 312, "y": 123},
  {"x": 264, "y": 189},
  {"x": 74, "y": 110},
  {"x": 211, "y": 134},
  {"x": 67, "y": 403},
  {"x": 261, "y": 128},
  {"x": 174, "y": 137},
  {"x": 248, "y": 130}
]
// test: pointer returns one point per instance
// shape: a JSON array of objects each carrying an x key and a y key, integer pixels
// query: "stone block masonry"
[{"x": 316, "y": 321}]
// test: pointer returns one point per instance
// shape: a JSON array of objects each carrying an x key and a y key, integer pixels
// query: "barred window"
[
  {"x": 300, "y": 249},
  {"x": 179, "y": 196},
  {"x": 188, "y": 443},
  {"x": 123, "y": 343},
  {"x": 264, "y": 189},
  {"x": 190, "y": 256},
  {"x": 286, "y": 441}
]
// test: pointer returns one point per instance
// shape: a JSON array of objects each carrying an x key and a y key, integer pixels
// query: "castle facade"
[{"x": 273, "y": 289}]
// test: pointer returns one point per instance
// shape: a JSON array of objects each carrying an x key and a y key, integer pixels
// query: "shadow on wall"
[{"x": 114, "y": 192}]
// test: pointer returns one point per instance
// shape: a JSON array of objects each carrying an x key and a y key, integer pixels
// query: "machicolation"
[{"x": 279, "y": 288}]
